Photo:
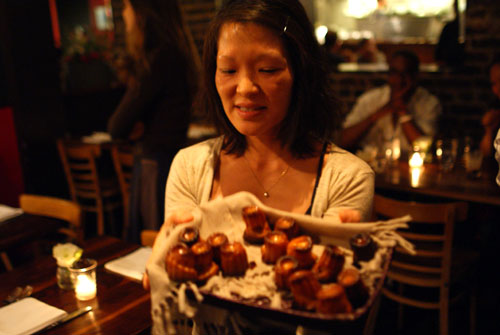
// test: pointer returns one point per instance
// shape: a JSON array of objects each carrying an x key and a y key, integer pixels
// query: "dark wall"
[{"x": 32, "y": 77}]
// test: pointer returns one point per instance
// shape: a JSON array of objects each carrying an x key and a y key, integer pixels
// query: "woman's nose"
[{"x": 246, "y": 85}]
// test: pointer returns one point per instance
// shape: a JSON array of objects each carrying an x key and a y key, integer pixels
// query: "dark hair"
[
  {"x": 331, "y": 38},
  {"x": 163, "y": 26},
  {"x": 314, "y": 113},
  {"x": 412, "y": 61}
]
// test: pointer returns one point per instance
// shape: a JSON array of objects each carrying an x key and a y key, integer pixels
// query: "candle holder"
[{"x": 83, "y": 275}]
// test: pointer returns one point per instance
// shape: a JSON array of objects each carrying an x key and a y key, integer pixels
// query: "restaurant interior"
[{"x": 60, "y": 82}]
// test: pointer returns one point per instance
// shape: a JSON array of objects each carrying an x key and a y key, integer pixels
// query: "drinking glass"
[
  {"x": 473, "y": 160},
  {"x": 446, "y": 153}
]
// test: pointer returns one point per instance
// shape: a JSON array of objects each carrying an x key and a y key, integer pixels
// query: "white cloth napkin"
[
  {"x": 224, "y": 215},
  {"x": 27, "y": 316},
  {"x": 7, "y": 212},
  {"x": 132, "y": 265}
]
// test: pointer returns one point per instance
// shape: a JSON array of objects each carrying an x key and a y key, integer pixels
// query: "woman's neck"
[{"x": 262, "y": 150}]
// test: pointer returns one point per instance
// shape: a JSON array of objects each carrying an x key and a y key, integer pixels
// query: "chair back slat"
[
  {"x": 430, "y": 230},
  {"x": 79, "y": 161},
  {"x": 62, "y": 209}
]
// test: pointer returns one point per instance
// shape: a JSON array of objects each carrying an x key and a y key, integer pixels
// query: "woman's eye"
[
  {"x": 227, "y": 71},
  {"x": 268, "y": 70}
]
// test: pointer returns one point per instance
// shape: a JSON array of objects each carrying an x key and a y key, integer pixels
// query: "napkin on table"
[
  {"x": 132, "y": 265},
  {"x": 7, "y": 212},
  {"x": 28, "y": 316}
]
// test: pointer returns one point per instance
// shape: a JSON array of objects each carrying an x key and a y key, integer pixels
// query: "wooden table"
[
  {"x": 122, "y": 306},
  {"x": 26, "y": 228},
  {"x": 454, "y": 185}
]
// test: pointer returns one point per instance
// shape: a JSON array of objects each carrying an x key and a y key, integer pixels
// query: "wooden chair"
[
  {"x": 86, "y": 187},
  {"x": 123, "y": 161},
  {"x": 411, "y": 277},
  {"x": 62, "y": 209}
]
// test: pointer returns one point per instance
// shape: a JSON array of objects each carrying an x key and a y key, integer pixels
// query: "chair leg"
[
  {"x": 6, "y": 261},
  {"x": 400, "y": 310},
  {"x": 371, "y": 320},
  {"x": 473, "y": 309},
  {"x": 100, "y": 220},
  {"x": 443, "y": 311}
]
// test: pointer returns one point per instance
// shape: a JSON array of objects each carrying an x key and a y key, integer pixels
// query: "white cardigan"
[{"x": 346, "y": 181}]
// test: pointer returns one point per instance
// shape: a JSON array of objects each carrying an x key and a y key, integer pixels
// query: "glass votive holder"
[
  {"x": 83, "y": 275},
  {"x": 473, "y": 160},
  {"x": 446, "y": 153}
]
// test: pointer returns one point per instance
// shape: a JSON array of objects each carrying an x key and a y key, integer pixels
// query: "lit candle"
[
  {"x": 396, "y": 149},
  {"x": 416, "y": 160},
  {"x": 415, "y": 176},
  {"x": 85, "y": 287},
  {"x": 415, "y": 163}
]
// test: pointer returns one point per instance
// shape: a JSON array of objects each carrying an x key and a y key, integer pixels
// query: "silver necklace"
[{"x": 266, "y": 192}]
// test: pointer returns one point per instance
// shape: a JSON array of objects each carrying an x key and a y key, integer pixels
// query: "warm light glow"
[
  {"x": 360, "y": 8},
  {"x": 421, "y": 8},
  {"x": 85, "y": 288},
  {"x": 416, "y": 160},
  {"x": 396, "y": 149},
  {"x": 321, "y": 33},
  {"x": 415, "y": 176}
]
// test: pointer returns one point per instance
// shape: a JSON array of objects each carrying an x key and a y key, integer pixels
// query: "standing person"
[
  {"x": 400, "y": 109},
  {"x": 491, "y": 119},
  {"x": 267, "y": 91},
  {"x": 154, "y": 112}
]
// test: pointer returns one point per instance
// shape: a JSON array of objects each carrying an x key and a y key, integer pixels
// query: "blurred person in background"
[
  {"x": 400, "y": 109},
  {"x": 333, "y": 48},
  {"x": 154, "y": 112},
  {"x": 368, "y": 52}
]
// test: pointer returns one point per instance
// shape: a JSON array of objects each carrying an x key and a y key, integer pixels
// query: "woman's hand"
[
  {"x": 349, "y": 215},
  {"x": 173, "y": 218}
]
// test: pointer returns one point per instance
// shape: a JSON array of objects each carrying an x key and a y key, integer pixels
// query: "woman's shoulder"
[
  {"x": 344, "y": 162},
  {"x": 202, "y": 149}
]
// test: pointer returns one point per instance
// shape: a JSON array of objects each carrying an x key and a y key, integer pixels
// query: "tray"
[{"x": 292, "y": 316}]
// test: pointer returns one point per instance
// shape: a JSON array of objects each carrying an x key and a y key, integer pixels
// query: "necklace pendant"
[{"x": 266, "y": 194}]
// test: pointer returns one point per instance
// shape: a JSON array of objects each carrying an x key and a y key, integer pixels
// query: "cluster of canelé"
[{"x": 316, "y": 283}]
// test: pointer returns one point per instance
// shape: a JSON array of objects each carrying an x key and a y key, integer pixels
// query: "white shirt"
[
  {"x": 423, "y": 107},
  {"x": 346, "y": 181}
]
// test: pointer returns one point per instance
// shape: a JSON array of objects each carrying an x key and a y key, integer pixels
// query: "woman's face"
[
  {"x": 254, "y": 78},
  {"x": 495, "y": 79},
  {"x": 128, "y": 15}
]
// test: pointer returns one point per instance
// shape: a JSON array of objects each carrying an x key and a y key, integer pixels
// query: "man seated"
[{"x": 400, "y": 109}]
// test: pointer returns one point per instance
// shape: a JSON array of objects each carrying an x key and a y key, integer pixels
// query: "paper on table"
[
  {"x": 132, "y": 265},
  {"x": 97, "y": 137},
  {"x": 7, "y": 212},
  {"x": 27, "y": 316}
]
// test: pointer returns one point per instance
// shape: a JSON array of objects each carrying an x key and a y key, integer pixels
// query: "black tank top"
[{"x": 318, "y": 175}]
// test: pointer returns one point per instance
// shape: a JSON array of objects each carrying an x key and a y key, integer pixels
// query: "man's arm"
[{"x": 353, "y": 134}]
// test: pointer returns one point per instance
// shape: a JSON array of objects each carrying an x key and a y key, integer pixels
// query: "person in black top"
[{"x": 154, "y": 112}]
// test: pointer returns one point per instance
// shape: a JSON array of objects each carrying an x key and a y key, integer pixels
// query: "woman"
[
  {"x": 266, "y": 88},
  {"x": 154, "y": 111}
]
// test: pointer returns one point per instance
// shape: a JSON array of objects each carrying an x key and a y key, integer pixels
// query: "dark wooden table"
[
  {"x": 122, "y": 306},
  {"x": 26, "y": 228},
  {"x": 453, "y": 185}
]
